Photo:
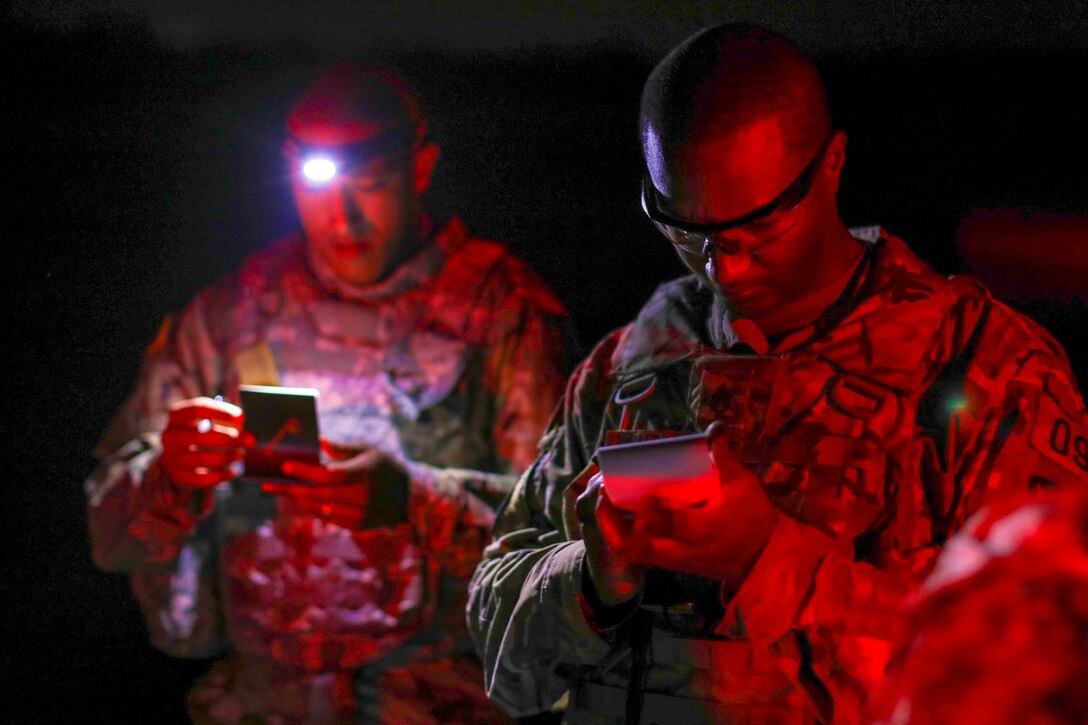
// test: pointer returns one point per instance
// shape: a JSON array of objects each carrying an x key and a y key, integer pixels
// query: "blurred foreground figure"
[
  {"x": 859, "y": 406},
  {"x": 999, "y": 632},
  {"x": 438, "y": 360}
]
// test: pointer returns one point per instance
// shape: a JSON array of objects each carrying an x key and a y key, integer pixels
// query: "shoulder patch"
[{"x": 1060, "y": 435}]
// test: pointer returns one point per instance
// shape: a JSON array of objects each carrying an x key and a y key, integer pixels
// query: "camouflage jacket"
[
  {"x": 874, "y": 437},
  {"x": 1007, "y": 596},
  {"x": 453, "y": 364}
]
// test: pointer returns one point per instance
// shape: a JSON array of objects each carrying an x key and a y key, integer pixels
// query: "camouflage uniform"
[
  {"x": 1000, "y": 622},
  {"x": 875, "y": 432},
  {"x": 453, "y": 364}
]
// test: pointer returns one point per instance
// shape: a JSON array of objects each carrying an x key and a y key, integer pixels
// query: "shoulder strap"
[{"x": 936, "y": 408}]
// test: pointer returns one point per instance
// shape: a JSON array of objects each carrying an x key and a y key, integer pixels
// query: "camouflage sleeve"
[
  {"x": 1022, "y": 424},
  {"x": 829, "y": 621},
  {"x": 525, "y": 612},
  {"x": 139, "y": 522},
  {"x": 1025, "y": 563},
  {"x": 453, "y": 510},
  {"x": 1016, "y": 422}
]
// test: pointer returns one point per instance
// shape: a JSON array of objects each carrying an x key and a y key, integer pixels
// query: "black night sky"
[{"x": 142, "y": 161}]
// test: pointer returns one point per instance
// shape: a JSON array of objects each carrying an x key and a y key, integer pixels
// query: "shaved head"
[
  {"x": 743, "y": 173},
  {"x": 728, "y": 78}
]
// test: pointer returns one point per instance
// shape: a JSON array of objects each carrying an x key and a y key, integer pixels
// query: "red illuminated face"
[
  {"x": 360, "y": 223},
  {"x": 766, "y": 263}
]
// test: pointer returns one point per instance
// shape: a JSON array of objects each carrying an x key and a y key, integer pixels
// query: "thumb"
[
  {"x": 357, "y": 461},
  {"x": 722, "y": 450}
]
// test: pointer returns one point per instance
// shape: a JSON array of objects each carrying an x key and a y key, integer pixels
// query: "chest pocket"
[
  {"x": 818, "y": 438},
  {"x": 385, "y": 378},
  {"x": 835, "y": 466},
  {"x": 392, "y": 341},
  {"x": 649, "y": 404}
]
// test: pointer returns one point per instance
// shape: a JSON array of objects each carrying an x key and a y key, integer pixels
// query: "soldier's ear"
[
  {"x": 424, "y": 161},
  {"x": 835, "y": 158}
]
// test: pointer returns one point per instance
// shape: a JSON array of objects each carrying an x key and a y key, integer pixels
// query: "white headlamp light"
[{"x": 319, "y": 169}]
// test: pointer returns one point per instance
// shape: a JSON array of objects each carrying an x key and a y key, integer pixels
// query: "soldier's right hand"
[
  {"x": 614, "y": 577},
  {"x": 202, "y": 442}
]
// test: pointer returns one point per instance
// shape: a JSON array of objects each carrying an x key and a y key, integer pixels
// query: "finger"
[
  {"x": 670, "y": 554},
  {"x": 218, "y": 411},
  {"x": 581, "y": 481},
  {"x": 720, "y": 447},
  {"x": 615, "y": 524},
  {"x": 615, "y": 537},
  {"x": 199, "y": 477},
  {"x": 731, "y": 472},
  {"x": 655, "y": 518},
  {"x": 571, "y": 525},
  {"x": 663, "y": 531},
  {"x": 314, "y": 473},
  {"x": 202, "y": 420},
  {"x": 194, "y": 456},
  {"x": 204, "y": 458},
  {"x": 737, "y": 480},
  {"x": 693, "y": 558},
  {"x": 339, "y": 452},
  {"x": 364, "y": 462},
  {"x": 715, "y": 431},
  {"x": 292, "y": 491},
  {"x": 217, "y": 437},
  {"x": 585, "y": 507}
]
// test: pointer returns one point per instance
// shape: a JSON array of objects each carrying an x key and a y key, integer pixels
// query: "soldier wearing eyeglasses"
[{"x": 859, "y": 406}]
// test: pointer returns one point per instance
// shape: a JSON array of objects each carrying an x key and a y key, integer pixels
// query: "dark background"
[{"x": 141, "y": 156}]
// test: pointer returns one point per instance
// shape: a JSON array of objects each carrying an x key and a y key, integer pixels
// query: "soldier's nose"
[{"x": 351, "y": 214}]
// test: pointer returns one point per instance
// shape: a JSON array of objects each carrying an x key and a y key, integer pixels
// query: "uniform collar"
[
  {"x": 418, "y": 269},
  {"x": 741, "y": 336}
]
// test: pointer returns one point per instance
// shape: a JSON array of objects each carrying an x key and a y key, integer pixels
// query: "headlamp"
[
  {"x": 319, "y": 169},
  {"x": 321, "y": 163}
]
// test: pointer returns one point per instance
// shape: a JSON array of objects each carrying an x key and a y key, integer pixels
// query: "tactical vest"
[{"x": 398, "y": 375}]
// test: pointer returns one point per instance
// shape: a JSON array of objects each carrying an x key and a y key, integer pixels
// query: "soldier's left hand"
[
  {"x": 342, "y": 488},
  {"x": 719, "y": 539},
  {"x": 615, "y": 578}
]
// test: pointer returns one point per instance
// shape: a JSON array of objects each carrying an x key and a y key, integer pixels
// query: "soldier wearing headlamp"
[{"x": 438, "y": 359}]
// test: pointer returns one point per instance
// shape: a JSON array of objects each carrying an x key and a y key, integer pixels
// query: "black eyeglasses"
[{"x": 691, "y": 237}]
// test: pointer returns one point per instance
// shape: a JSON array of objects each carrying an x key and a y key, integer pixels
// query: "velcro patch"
[
  {"x": 256, "y": 365},
  {"x": 1059, "y": 436}
]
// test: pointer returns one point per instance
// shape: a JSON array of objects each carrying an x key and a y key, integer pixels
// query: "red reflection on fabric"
[{"x": 997, "y": 633}]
